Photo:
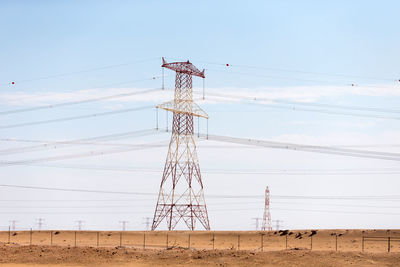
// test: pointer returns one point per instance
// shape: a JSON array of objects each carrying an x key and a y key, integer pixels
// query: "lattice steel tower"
[
  {"x": 267, "y": 225},
  {"x": 181, "y": 194}
]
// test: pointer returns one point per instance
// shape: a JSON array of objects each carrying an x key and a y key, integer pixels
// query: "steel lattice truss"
[
  {"x": 181, "y": 196},
  {"x": 267, "y": 225}
]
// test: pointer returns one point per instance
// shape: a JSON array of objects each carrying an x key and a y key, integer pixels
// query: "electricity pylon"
[
  {"x": 181, "y": 195},
  {"x": 267, "y": 225},
  {"x": 80, "y": 224},
  {"x": 124, "y": 223},
  {"x": 40, "y": 222},
  {"x": 256, "y": 222}
]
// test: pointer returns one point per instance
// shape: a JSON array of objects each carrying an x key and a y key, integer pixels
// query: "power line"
[
  {"x": 299, "y": 71},
  {"x": 306, "y": 148},
  {"x": 212, "y": 210},
  {"x": 77, "y": 190},
  {"x": 222, "y": 171},
  {"x": 85, "y": 154},
  {"x": 70, "y": 103},
  {"x": 94, "y": 115},
  {"x": 97, "y": 87},
  {"x": 84, "y": 71},
  {"x": 329, "y": 112},
  {"x": 245, "y": 141},
  {"x": 50, "y": 144},
  {"x": 276, "y": 77},
  {"x": 276, "y": 203},
  {"x": 256, "y": 99},
  {"x": 373, "y": 197},
  {"x": 83, "y": 141}
]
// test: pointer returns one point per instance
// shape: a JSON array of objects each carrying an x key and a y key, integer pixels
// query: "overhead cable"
[{"x": 93, "y": 115}]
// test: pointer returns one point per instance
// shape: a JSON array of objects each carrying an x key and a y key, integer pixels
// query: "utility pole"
[
  {"x": 80, "y": 224},
  {"x": 147, "y": 223},
  {"x": 256, "y": 222},
  {"x": 40, "y": 223},
  {"x": 267, "y": 225},
  {"x": 181, "y": 195},
  {"x": 13, "y": 223},
  {"x": 278, "y": 224},
  {"x": 124, "y": 223}
]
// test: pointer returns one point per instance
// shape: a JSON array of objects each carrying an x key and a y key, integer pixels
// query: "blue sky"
[{"x": 295, "y": 51}]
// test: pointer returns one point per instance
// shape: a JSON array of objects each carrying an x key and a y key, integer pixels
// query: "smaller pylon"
[
  {"x": 80, "y": 224},
  {"x": 278, "y": 224},
  {"x": 267, "y": 225},
  {"x": 40, "y": 222},
  {"x": 256, "y": 222},
  {"x": 13, "y": 224},
  {"x": 124, "y": 224}
]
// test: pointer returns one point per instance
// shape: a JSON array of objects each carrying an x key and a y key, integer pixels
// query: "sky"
[{"x": 322, "y": 73}]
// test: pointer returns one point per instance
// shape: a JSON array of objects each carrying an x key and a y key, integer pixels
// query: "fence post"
[
  {"x": 238, "y": 246},
  {"x": 363, "y": 244},
  {"x": 262, "y": 242},
  {"x": 286, "y": 241},
  {"x": 144, "y": 240},
  {"x": 120, "y": 239},
  {"x": 213, "y": 239},
  {"x": 389, "y": 244},
  {"x": 30, "y": 237},
  {"x": 167, "y": 241},
  {"x": 98, "y": 239},
  {"x": 336, "y": 241},
  {"x": 9, "y": 234},
  {"x": 189, "y": 242},
  {"x": 75, "y": 239},
  {"x": 51, "y": 238},
  {"x": 311, "y": 243}
]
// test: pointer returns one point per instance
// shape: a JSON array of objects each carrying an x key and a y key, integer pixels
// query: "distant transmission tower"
[
  {"x": 40, "y": 222},
  {"x": 80, "y": 224},
  {"x": 267, "y": 225},
  {"x": 13, "y": 224},
  {"x": 124, "y": 223},
  {"x": 256, "y": 222},
  {"x": 147, "y": 223},
  {"x": 181, "y": 195},
  {"x": 278, "y": 224}
]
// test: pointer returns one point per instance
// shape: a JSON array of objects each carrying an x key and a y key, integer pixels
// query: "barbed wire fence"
[{"x": 202, "y": 240}]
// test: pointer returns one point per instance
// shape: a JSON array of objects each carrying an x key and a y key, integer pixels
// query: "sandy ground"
[
  {"x": 13, "y": 255},
  {"x": 245, "y": 248}
]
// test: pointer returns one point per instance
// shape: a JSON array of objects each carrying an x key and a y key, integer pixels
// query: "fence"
[
  {"x": 244, "y": 240},
  {"x": 385, "y": 239}
]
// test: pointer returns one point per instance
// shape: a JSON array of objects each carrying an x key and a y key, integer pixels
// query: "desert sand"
[{"x": 200, "y": 248}]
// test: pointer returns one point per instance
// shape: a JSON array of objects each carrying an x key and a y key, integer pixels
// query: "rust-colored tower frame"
[
  {"x": 267, "y": 225},
  {"x": 181, "y": 195}
]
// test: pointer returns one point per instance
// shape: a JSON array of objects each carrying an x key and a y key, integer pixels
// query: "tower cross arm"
[
  {"x": 190, "y": 108},
  {"x": 184, "y": 67}
]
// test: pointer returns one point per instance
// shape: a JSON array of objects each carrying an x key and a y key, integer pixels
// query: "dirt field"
[{"x": 246, "y": 248}]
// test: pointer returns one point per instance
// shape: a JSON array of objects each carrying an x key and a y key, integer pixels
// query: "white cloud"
[
  {"x": 213, "y": 95},
  {"x": 309, "y": 93},
  {"x": 386, "y": 140}
]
